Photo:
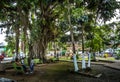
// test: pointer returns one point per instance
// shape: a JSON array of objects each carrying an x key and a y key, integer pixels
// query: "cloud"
[{"x": 2, "y": 38}]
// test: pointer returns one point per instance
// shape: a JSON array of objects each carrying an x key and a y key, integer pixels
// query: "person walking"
[{"x": 32, "y": 65}]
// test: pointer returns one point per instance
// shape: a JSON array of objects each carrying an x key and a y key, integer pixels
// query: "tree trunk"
[
  {"x": 17, "y": 41},
  {"x": 83, "y": 54},
  {"x": 30, "y": 50},
  {"x": 55, "y": 50},
  {"x": 44, "y": 45},
  {"x": 72, "y": 39},
  {"x": 89, "y": 60},
  {"x": 26, "y": 25},
  {"x": 82, "y": 39}
]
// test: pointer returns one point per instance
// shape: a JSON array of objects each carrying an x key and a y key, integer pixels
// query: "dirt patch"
[{"x": 59, "y": 72}]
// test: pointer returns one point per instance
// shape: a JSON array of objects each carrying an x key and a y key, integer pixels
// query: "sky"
[
  {"x": 2, "y": 38},
  {"x": 115, "y": 18}
]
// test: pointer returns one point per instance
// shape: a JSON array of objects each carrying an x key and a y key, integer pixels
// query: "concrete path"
[
  {"x": 115, "y": 64},
  {"x": 111, "y": 64}
]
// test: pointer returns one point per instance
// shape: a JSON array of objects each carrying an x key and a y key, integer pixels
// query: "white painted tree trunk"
[
  {"x": 89, "y": 59},
  {"x": 75, "y": 63},
  {"x": 83, "y": 61}
]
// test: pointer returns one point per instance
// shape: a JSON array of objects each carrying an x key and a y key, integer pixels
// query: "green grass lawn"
[
  {"x": 68, "y": 58},
  {"x": 99, "y": 58},
  {"x": 108, "y": 58}
]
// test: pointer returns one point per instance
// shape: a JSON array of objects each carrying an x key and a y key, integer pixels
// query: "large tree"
[{"x": 38, "y": 20}]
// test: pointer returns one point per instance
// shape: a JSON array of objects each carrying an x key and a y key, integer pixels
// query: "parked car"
[{"x": 108, "y": 52}]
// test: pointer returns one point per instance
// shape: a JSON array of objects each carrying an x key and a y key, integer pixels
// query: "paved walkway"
[{"x": 115, "y": 64}]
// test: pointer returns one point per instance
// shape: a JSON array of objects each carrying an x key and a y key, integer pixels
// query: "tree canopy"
[{"x": 36, "y": 23}]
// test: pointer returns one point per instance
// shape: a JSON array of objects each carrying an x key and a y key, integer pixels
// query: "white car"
[{"x": 7, "y": 60}]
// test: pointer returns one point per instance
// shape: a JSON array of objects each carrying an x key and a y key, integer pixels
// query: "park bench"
[{"x": 18, "y": 69}]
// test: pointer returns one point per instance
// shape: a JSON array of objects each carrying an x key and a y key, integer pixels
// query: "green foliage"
[
  {"x": 63, "y": 52},
  {"x": 107, "y": 9},
  {"x": 117, "y": 51},
  {"x": 47, "y": 20},
  {"x": 92, "y": 4},
  {"x": 79, "y": 3},
  {"x": 11, "y": 44},
  {"x": 77, "y": 12},
  {"x": 37, "y": 61},
  {"x": 77, "y": 56}
]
